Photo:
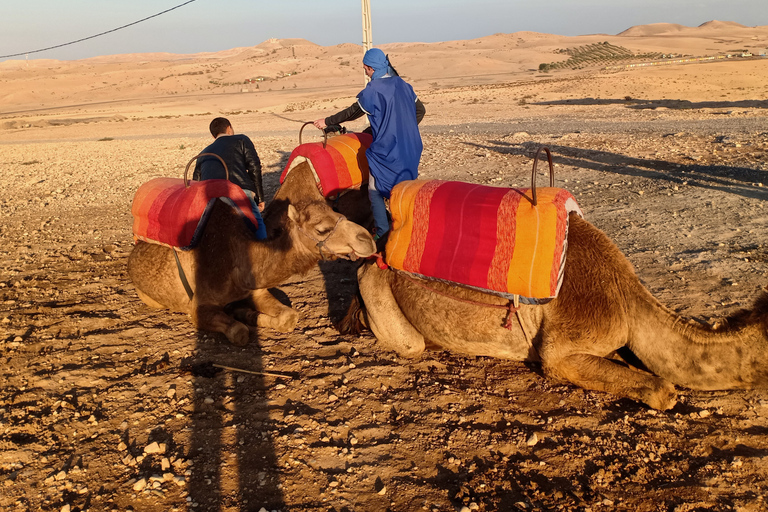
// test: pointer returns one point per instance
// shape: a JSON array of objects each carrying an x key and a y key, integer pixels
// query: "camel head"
[{"x": 328, "y": 234}]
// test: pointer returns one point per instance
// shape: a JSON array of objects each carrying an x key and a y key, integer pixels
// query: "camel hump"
[
  {"x": 489, "y": 238},
  {"x": 168, "y": 212}
]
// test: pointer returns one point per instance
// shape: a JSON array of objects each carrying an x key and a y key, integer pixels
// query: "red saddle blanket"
[
  {"x": 488, "y": 238},
  {"x": 339, "y": 166},
  {"x": 167, "y": 212}
]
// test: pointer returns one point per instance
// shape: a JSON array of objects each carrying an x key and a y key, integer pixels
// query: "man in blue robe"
[{"x": 394, "y": 113}]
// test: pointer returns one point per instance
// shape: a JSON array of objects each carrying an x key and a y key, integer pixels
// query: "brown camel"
[
  {"x": 228, "y": 265},
  {"x": 601, "y": 307}
]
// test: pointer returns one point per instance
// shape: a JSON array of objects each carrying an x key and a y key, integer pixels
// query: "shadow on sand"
[
  {"x": 734, "y": 180},
  {"x": 642, "y": 104}
]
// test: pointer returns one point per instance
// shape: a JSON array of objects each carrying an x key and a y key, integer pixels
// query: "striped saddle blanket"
[
  {"x": 339, "y": 166},
  {"x": 488, "y": 238},
  {"x": 167, "y": 212}
]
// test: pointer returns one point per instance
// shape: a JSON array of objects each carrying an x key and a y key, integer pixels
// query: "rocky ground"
[{"x": 106, "y": 404}]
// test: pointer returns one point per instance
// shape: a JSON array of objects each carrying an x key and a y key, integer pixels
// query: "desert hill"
[{"x": 284, "y": 74}]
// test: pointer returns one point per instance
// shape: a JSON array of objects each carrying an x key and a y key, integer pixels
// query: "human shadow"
[
  {"x": 233, "y": 463},
  {"x": 643, "y": 104},
  {"x": 743, "y": 181}
]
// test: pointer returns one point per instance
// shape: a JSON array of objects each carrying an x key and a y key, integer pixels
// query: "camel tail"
[{"x": 354, "y": 322}]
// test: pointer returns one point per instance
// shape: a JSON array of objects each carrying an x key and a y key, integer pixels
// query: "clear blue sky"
[{"x": 213, "y": 25}]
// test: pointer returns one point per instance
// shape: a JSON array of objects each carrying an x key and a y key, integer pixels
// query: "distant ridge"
[
  {"x": 653, "y": 29},
  {"x": 284, "y": 43},
  {"x": 662, "y": 29},
  {"x": 721, "y": 24}
]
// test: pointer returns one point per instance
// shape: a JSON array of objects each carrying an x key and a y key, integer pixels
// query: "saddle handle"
[
  {"x": 325, "y": 134},
  {"x": 226, "y": 170},
  {"x": 533, "y": 172}
]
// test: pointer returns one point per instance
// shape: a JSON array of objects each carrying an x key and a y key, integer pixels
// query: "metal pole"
[{"x": 367, "y": 33}]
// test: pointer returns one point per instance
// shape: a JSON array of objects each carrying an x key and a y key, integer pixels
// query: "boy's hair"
[{"x": 219, "y": 125}]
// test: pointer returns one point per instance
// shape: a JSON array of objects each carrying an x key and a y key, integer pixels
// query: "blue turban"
[{"x": 376, "y": 59}]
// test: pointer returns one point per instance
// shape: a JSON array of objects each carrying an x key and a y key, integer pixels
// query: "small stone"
[
  {"x": 165, "y": 463},
  {"x": 332, "y": 398},
  {"x": 171, "y": 393},
  {"x": 532, "y": 440},
  {"x": 61, "y": 475},
  {"x": 140, "y": 484},
  {"x": 66, "y": 508},
  {"x": 154, "y": 447},
  {"x": 704, "y": 413},
  {"x": 180, "y": 481},
  {"x": 122, "y": 446},
  {"x": 208, "y": 400},
  {"x": 383, "y": 491}
]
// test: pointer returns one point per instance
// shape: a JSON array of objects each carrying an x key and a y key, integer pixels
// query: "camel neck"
[{"x": 274, "y": 260}]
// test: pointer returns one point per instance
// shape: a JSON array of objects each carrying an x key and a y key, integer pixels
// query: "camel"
[
  {"x": 228, "y": 266},
  {"x": 601, "y": 308}
]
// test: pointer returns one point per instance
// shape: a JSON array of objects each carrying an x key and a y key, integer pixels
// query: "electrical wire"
[{"x": 98, "y": 35}]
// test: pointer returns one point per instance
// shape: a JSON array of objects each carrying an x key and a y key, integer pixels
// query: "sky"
[{"x": 215, "y": 25}]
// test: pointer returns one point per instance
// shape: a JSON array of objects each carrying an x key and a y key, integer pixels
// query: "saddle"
[
  {"x": 169, "y": 212},
  {"x": 503, "y": 241},
  {"x": 339, "y": 163}
]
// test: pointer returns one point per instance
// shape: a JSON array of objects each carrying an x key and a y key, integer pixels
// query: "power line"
[{"x": 97, "y": 35}]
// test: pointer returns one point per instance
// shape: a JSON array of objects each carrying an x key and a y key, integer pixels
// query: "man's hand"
[
  {"x": 261, "y": 206},
  {"x": 320, "y": 124}
]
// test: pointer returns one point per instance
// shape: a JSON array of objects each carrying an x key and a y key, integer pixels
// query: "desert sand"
[{"x": 106, "y": 404}]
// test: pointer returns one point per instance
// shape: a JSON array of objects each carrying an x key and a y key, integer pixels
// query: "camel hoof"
[
  {"x": 284, "y": 322},
  {"x": 663, "y": 398},
  {"x": 238, "y": 334}
]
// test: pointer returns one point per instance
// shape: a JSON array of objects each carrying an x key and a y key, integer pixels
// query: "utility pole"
[{"x": 367, "y": 35}]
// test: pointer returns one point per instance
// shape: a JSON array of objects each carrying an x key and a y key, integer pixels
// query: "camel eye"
[{"x": 323, "y": 231}]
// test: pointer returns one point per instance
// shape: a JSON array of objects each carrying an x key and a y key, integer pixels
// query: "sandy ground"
[{"x": 106, "y": 404}]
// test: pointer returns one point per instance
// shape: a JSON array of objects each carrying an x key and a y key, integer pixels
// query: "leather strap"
[{"x": 183, "y": 276}]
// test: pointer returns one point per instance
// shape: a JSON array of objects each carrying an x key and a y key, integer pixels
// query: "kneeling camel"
[
  {"x": 228, "y": 265},
  {"x": 602, "y": 306}
]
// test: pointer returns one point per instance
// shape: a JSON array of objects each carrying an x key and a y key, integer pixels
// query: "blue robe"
[{"x": 396, "y": 149}]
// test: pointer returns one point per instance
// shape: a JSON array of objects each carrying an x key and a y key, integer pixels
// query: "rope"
[
  {"x": 97, "y": 35},
  {"x": 511, "y": 307}
]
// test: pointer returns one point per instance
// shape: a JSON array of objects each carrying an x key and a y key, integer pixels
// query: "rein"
[
  {"x": 512, "y": 307},
  {"x": 321, "y": 243}
]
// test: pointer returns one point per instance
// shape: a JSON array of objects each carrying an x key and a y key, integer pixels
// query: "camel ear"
[{"x": 293, "y": 214}]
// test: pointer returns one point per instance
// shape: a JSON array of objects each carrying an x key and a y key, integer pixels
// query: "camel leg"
[
  {"x": 268, "y": 312},
  {"x": 600, "y": 374},
  {"x": 209, "y": 317},
  {"x": 385, "y": 318}
]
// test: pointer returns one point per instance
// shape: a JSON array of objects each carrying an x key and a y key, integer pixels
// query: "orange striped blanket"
[
  {"x": 167, "y": 212},
  {"x": 339, "y": 166},
  {"x": 488, "y": 238}
]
